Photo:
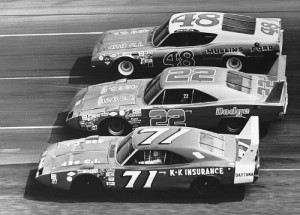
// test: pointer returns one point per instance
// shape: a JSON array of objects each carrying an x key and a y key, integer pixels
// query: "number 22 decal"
[
  {"x": 134, "y": 176},
  {"x": 172, "y": 117}
]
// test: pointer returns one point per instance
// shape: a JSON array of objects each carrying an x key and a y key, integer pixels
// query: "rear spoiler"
[
  {"x": 249, "y": 139},
  {"x": 278, "y": 68}
]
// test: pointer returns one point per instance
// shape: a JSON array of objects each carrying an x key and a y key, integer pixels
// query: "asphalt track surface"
[{"x": 44, "y": 60}]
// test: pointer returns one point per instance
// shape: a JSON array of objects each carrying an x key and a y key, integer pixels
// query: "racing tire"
[
  {"x": 232, "y": 125},
  {"x": 125, "y": 67},
  {"x": 205, "y": 186},
  {"x": 86, "y": 185},
  {"x": 117, "y": 127},
  {"x": 234, "y": 63}
]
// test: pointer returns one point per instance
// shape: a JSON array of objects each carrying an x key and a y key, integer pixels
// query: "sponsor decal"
[
  {"x": 124, "y": 45},
  {"x": 110, "y": 183},
  {"x": 108, "y": 89},
  {"x": 112, "y": 99},
  {"x": 261, "y": 49},
  {"x": 224, "y": 50},
  {"x": 244, "y": 174},
  {"x": 53, "y": 178},
  {"x": 130, "y": 32},
  {"x": 91, "y": 171},
  {"x": 233, "y": 112},
  {"x": 78, "y": 162},
  {"x": 197, "y": 171}
]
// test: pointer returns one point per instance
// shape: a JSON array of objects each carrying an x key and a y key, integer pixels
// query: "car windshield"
[
  {"x": 125, "y": 149},
  {"x": 161, "y": 33},
  {"x": 152, "y": 89}
]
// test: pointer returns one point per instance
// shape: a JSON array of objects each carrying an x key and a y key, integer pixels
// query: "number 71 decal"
[
  {"x": 158, "y": 131},
  {"x": 134, "y": 176}
]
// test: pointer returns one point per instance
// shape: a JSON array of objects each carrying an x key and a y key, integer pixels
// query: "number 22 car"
[
  {"x": 190, "y": 39},
  {"x": 153, "y": 158},
  {"x": 215, "y": 99}
]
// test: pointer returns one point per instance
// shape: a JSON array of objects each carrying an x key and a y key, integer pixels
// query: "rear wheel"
[
  {"x": 232, "y": 125},
  {"x": 234, "y": 63},
  {"x": 205, "y": 186}
]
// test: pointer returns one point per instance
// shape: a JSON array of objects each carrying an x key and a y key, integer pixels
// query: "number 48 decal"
[
  {"x": 184, "y": 58},
  {"x": 134, "y": 176}
]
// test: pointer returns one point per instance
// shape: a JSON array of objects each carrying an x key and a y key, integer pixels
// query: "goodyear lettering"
[
  {"x": 234, "y": 111},
  {"x": 224, "y": 50},
  {"x": 244, "y": 174},
  {"x": 197, "y": 171}
]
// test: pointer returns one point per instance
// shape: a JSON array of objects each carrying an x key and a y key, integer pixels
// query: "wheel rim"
[
  {"x": 234, "y": 63},
  {"x": 125, "y": 68},
  {"x": 116, "y": 127},
  {"x": 234, "y": 126}
]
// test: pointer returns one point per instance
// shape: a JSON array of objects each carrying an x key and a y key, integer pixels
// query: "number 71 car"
[
  {"x": 190, "y": 39},
  {"x": 210, "y": 98},
  {"x": 153, "y": 158}
]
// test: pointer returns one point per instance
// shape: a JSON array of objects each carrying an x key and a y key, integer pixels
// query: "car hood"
[
  {"x": 111, "y": 95},
  {"x": 125, "y": 39},
  {"x": 85, "y": 151}
]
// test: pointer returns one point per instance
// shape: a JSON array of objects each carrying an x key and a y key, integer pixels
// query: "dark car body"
[
  {"x": 154, "y": 158},
  {"x": 190, "y": 39},
  {"x": 211, "y": 98}
]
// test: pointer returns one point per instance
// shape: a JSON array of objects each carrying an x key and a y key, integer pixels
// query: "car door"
[
  {"x": 184, "y": 49},
  {"x": 182, "y": 107},
  {"x": 146, "y": 169},
  {"x": 175, "y": 50}
]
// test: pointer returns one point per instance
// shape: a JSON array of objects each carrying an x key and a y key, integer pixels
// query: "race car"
[
  {"x": 190, "y": 39},
  {"x": 211, "y": 98},
  {"x": 153, "y": 158}
]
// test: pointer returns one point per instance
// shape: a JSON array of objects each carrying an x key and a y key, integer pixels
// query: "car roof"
[
  {"x": 218, "y": 81},
  {"x": 184, "y": 141},
  {"x": 230, "y": 27}
]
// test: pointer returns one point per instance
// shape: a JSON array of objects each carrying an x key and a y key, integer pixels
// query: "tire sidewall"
[
  {"x": 117, "y": 65},
  {"x": 241, "y": 61}
]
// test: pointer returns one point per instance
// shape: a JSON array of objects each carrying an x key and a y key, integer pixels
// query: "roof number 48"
[{"x": 205, "y": 19}]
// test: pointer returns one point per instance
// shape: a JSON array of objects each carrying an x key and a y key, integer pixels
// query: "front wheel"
[
  {"x": 117, "y": 127},
  {"x": 234, "y": 63},
  {"x": 125, "y": 67}
]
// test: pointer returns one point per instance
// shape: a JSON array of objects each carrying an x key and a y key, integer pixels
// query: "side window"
[
  {"x": 176, "y": 159},
  {"x": 180, "y": 39},
  {"x": 200, "y": 97},
  {"x": 148, "y": 157},
  {"x": 159, "y": 99},
  {"x": 171, "y": 40},
  {"x": 178, "y": 96}
]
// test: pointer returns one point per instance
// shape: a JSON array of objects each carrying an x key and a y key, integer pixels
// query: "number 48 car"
[
  {"x": 190, "y": 39},
  {"x": 153, "y": 158},
  {"x": 210, "y": 98}
]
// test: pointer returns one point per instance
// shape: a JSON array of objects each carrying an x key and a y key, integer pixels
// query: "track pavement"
[{"x": 44, "y": 58}]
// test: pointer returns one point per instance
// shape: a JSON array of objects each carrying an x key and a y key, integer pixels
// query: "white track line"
[
  {"x": 269, "y": 170},
  {"x": 30, "y": 127},
  {"x": 42, "y": 77},
  {"x": 50, "y": 34}
]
